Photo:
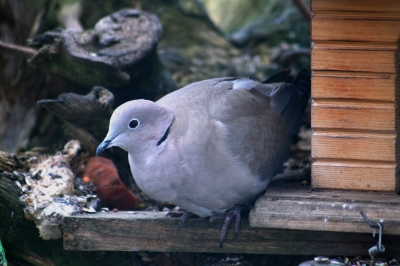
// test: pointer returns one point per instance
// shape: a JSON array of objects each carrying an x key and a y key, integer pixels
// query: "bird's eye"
[{"x": 134, "y": 123}]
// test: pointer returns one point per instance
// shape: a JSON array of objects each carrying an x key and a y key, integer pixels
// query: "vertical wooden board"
[
  {"x": 397, "y": 115},
  {"x": 355, "y": 30},
  {"x": 352, "y": 60},
  {"x": 341, "y": 115},
  {"x": 331, "y": 87},
  {"x": 356, "y": 5},
  {"x": 353, "y": 146},
  {"x": 353, "y": 176}
]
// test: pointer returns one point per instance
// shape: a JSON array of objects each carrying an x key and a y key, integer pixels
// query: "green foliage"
[{"x": 3, "y": 261}]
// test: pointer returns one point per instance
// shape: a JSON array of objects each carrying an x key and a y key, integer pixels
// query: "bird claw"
[
  {"x": 215, "y": 217},
  {"x": 228, "y": 216},
  {"x": 174, "y": 214},
  {"x": 234, "y": 213},
  {"x": 184, "y": 217}
]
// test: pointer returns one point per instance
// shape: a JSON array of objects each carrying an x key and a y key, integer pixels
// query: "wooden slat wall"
[
  {"x": 380, "y": 7},
  {"x": 353, "y": 90}
]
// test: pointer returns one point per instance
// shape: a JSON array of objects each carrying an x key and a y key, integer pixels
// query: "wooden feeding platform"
[
  {"x": 284, "y": 221},
  {"x": 355, "y": 151}
]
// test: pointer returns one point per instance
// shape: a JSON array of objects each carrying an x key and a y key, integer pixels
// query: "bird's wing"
[
  {"x": 261, "y": 119},
  {"x": 258, "y": 120}
]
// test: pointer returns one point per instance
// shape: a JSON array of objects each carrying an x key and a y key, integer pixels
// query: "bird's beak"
[{"x": 105, "y": 144}]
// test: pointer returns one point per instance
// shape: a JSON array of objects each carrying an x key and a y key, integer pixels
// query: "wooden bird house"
[
  {"x": 355, "y": 96},
  {"x": 355, "y": 62}
]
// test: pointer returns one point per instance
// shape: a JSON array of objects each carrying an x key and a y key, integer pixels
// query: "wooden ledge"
[
  {"x": 277, "y": 217},
  {"x": 335, "y": 211}
]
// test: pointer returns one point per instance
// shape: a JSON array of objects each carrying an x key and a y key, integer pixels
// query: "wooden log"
[
  {"x": 21, "y": 240},
  {"x": 101, "y": 56},
  {"x": 21, "y": 85},
  {"x": 89, "y": 112},
  {"x": 86, "y": 118}
]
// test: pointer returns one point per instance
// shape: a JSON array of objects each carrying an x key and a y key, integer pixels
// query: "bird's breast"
[{"x": 203, "y": 179}]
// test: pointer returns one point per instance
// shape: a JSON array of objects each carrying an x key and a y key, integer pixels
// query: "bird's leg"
[
  {"x": 232, "y": 213},
  {"x": 216, "y": 216},
  {"x": 184, "y": 217}
]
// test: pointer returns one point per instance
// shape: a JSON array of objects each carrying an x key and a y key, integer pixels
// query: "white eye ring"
[{"x": 134, "y": 123}]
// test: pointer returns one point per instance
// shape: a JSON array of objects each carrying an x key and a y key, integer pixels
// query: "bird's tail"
[
  {"x": 281, "y": 76},
  {"x": 303, "y": 84},
  {"x": 290, "y": 100}
]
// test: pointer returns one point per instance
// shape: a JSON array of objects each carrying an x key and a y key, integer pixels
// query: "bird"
[{"x": 212, "y": 146}]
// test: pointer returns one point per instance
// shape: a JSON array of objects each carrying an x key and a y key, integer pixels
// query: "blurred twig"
[
  {"x": 304, "y": 9},
  {"x": 287, "y": 57},
  {"x": 40, "y": 19},
  {"x": 26, "y": 51}
]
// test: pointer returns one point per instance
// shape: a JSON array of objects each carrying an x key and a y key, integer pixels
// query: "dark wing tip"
[
  {"x": 303, "y": 84},
  {"x": 281, "y": 76}
]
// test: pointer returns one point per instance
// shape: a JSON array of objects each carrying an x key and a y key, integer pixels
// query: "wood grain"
[
  {"x": 346, "y": 45},
  {"x": 352, "y": 60},
  {"x": 300, "y": 209},
  {"x": 153, "y": 231},
  {"x": 359, "y": 15},
  {"x": 353, "y": 74},
  {"x": 397, "y": 115},
  {"x": 356, "y": 5},
  {"x": 353, "y": 87},
  {"x": 353, "y": 146},
  {"x": 370, "y": 176},
  {"x": 354, "y": 30},
  {"x": 353, "y": 90},
  {"x": 352, "y": 115}
]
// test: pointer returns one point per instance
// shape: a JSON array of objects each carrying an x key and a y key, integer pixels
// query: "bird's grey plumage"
[{"x": 213, "y": 144}]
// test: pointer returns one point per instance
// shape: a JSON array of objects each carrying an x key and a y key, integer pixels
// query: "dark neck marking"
[{"x": 164, "y": 137}]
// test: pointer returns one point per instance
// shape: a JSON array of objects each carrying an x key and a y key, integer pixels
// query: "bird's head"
[{"x": 137, "y": 124}]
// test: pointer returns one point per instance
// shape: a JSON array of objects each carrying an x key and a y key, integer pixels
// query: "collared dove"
[{"x": 211, "y": 146}]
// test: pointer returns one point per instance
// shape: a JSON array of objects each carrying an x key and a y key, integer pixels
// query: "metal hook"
[
  {"x": 380, "y": 238},
  {"x": 375, "y": 250},
  {"x": 368, "y": 221}
]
